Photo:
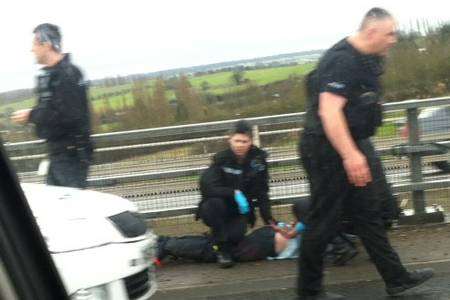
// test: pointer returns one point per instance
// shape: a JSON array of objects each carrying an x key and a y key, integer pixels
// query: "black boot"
[
  {"x": 224, "y": 258},
  {"x": 344, "y": 256},
  {"x": 161, "y": 251},
  {"x": 416, "y": 277}
]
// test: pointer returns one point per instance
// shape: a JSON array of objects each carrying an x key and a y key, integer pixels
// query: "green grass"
[
  {"x": 214, "y": 80},
  {"x": 265, "y": 76},
  {"x": 387, "y": 130},
  {"x": 260, "y": 77},
  {"x": 219, "y": 84},
  {"x": 27, "y": 103},
  {"x": 101, "y": 90},
  {"x": 116, "y": 102}
]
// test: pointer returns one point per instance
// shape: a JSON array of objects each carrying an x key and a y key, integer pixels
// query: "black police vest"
[{"x": 363, "y": 111}]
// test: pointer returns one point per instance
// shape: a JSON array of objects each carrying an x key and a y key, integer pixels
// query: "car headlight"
[{"x": 94, "y": 293}]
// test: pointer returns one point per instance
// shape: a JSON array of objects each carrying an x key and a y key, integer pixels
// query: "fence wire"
[{"x": 162, "y": 174}]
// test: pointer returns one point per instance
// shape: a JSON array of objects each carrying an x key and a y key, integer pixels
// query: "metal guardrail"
[
  {"x": 290, "y": 199},
  {"x": 417, "y": 185},
  {"x": 132, "y": 135},
  {"x": 113, "y": 180}
]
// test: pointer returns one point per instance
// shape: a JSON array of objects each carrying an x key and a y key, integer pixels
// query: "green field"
[
  {"x": 260, "y": 77},
  {"x": 219, "y": 84},
  {"x": 265, "y": 76}
]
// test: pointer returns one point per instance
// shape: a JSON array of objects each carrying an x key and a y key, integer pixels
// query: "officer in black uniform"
[
  {"x": 236, "y": 177},
  {"x": 344, "y": 171},
  {"x": 61, "y": 116}
]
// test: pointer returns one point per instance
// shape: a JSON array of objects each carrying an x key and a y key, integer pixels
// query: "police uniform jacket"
[
  {"x": 225, "y": 175},
  {"x": 61, "y": 115}
]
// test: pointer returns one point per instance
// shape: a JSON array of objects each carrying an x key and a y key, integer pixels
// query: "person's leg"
[
  {"x": 67, "y": 170},
  {"x": 366, "y": 214},
  {"x": 226, "y": 225},
  {"x": 192, "y": 247},
  {"x": 328, "y": 186},
  {"x": 235, "y": 229},
  {"x": 343, "y": 251},
  {"x": 51, "y": 179}
]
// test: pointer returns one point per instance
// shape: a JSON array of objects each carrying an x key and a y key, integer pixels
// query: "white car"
[{"x": 100, "y": 247}]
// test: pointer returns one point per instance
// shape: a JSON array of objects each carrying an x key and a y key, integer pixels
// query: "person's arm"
[
  {"x": 21, "y": 116},
  {"x": 289, "y": 232},
  {"x": 65, "y": 107},
  {"x": 263, "y": 199},
  {"x": 211, "y": 184},
  {"x": 336, "y": 82},
  {"x": 265, "y": 209},
  {"x": 336, "y": 129}
]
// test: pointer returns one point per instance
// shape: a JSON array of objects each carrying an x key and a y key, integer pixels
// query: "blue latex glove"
[
  {"x": 299, "y": 227},
  {"x": 242, "y": 202}
]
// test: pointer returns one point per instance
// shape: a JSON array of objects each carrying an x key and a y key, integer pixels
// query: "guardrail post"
[
  {"x": 420, "y": 215},
  {"x": 256, "y": 136},
  {"x": 415, "y": 161}
]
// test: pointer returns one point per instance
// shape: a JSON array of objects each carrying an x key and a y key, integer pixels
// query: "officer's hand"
[
  {"x": 357, "y": 169},
  {"x": 275, "y": 227},
  {"x": 21, "y": 116}
]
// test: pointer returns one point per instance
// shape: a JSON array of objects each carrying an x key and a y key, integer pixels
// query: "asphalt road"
[
  {"x": 418, "y": 247},
  {"x": 360, "y": 286},
  {"x": 436, "y": 289}
]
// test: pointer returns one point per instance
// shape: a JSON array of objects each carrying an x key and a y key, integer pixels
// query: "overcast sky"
[{"x": 116, "y": 37}]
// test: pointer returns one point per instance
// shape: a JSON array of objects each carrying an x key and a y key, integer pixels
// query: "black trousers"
[
  {"x": 68, "y": 169},
  {"x": 222, "y": 216},
  {"x": 331, "y": 196},
  {"x": 258, "y": 245}
]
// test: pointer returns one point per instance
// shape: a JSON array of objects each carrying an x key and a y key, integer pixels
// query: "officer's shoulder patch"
[
  {"x": 232, "y": 171},
  {"x": 257, "y": 165},
  {"x": 336, "y": 85}
]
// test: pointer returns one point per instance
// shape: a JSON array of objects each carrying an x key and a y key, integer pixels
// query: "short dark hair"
[
  {"x": 300, "y": 208},
  {"x": 49, "y": 33},
  {"x": 242, "y": 127},
  {"x": 375, "y": 13}
]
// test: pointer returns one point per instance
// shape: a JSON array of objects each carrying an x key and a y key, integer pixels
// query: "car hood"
[
  {"x": 72, "y": 219},
  {"x": 70, "y": 203}
]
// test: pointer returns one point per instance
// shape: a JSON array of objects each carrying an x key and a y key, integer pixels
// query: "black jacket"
[
  {"x": 225, "y": 175},
  {"x": 346, "y": 72},
  {"x": 62, "y": 113}
]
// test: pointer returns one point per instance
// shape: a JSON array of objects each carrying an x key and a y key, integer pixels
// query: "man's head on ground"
[
  {"x": 241, "y": 138},
  {"x": 300, "y": 209},
  {"x": 47, "y": 44},
  {"x": 377, "y": 32}
]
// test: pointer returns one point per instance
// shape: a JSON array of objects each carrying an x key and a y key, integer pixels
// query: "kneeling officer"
[{"x": 236, "y": 177}]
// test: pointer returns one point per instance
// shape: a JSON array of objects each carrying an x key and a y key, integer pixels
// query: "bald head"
[
  {"x": 377, "y": 32},
  {"x": 375, "y": 14}
]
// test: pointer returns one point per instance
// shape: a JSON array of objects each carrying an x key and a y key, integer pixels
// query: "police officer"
[
  {"x": 236, "y": 176},
  {"x": 61, "y": 116},
  {"x": 344, "y": 171}
]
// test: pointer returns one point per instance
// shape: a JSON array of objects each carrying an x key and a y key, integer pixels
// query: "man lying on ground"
[{"x": 268, "y": 242}]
